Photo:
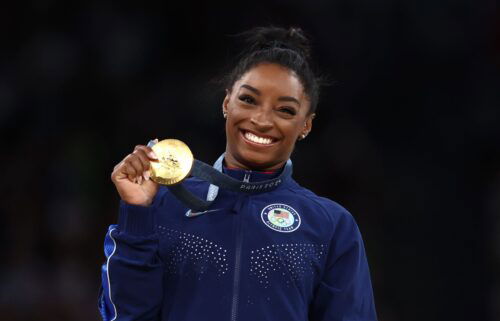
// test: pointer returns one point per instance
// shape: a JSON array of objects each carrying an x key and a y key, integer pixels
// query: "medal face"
[{"x": 175, "y": 162}]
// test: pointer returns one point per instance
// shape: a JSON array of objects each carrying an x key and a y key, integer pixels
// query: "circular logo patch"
[{"x": 280, "y": 217}]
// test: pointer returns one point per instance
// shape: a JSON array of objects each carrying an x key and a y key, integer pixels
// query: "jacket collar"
[{"x": 250, "y": 176}]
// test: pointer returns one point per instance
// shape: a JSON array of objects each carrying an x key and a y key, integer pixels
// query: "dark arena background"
[{"x": 407, "y": 137}]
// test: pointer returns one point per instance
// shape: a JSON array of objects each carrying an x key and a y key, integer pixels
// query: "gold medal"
[{"x": 174, "y": 164}]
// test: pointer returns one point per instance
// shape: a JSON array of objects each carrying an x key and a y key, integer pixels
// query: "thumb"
[{"x": 150, "y": 187}]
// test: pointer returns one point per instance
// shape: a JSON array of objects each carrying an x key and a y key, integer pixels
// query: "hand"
[{"x": 132, "y": 177}]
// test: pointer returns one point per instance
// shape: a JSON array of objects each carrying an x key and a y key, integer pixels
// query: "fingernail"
[
  {"x": 146, "y": 175},
  {"x": 152, "y": 155}
]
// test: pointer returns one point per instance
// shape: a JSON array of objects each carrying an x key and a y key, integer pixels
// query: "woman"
[{"x": 283, "y": 254}]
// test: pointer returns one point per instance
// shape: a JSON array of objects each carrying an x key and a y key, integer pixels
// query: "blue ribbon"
[{"x": 218, "y": 180}]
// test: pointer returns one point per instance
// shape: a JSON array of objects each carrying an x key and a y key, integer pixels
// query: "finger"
[
  {"x": 130, "y": 171},
  {"x": 146, "y": 163},
  {"x": 128, "y": 167},
  {"x": 147, "y": 150},
  {"x": 145, "y": 160},
  {"x": 146, "y": 175},
  {"x": 135, "y": 162},
  {"x": 120, "y": 170}
]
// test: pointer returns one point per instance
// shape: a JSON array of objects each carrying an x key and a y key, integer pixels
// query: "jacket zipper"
[
  {"x": 237, "y": 256},
  {"x": 237, "y": 265}
]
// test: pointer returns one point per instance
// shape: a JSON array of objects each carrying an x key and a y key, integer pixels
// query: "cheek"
[
  {"x": 291, "y": 130},
  {"x": 234, "y": 117},
  {"x": 235, "y": 108}
]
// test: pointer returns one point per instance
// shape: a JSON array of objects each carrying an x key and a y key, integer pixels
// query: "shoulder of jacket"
[{"x": 331, "y": 209}]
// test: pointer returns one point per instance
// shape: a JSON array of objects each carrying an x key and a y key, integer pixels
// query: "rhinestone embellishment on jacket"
[
  {"x": 293, "y": 261},
  {"x": 194, "y": 253}
]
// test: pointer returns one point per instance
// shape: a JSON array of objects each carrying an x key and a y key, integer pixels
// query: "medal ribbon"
[{"x": 218, "y": 180}]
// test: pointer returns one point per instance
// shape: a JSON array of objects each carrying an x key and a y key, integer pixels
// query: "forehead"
[{"x": 273, "y": 79}]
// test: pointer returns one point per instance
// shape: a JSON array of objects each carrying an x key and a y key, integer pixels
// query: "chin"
[{"x": 258, "y": 161}]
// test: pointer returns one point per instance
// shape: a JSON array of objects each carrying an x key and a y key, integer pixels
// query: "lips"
[{"x": 256, "y": 139}]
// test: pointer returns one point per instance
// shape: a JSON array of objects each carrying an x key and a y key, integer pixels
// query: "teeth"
[{"x": 257, "y": 139}]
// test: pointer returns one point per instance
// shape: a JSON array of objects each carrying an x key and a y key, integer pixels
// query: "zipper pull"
[{"x": 246, "y": 178}]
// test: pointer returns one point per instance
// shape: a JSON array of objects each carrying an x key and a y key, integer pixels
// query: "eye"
[
  {"x": 288, "y": 110},
  {"x": 247, "y": 99}
]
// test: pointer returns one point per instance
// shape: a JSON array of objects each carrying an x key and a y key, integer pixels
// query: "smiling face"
[{"x": 267, "y": 111}]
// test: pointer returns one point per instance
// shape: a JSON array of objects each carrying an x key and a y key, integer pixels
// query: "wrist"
[{"x": 137, "y": 203}]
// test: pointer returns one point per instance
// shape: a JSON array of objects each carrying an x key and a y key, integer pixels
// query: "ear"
[
  {"x": 225, "y": 102},
  {"x": 308, "y": 125}
]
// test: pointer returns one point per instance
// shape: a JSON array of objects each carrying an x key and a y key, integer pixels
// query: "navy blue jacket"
[{"x": 287, "y": 254}]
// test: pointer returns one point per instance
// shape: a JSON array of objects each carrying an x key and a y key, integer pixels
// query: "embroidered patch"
[{"x": 281, "y": 218}]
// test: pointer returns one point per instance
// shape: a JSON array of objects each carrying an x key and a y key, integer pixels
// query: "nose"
[{"x": 262, "y": 119}]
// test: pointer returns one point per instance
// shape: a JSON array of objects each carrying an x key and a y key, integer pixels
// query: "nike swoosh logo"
[{"x": 190, "y": 213}]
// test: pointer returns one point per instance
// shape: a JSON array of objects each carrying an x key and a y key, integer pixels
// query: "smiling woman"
[
  {"x": 275, "y": 251},
  {"x": 266, "y": 111}
]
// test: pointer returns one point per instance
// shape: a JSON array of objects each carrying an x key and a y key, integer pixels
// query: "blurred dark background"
[{"x": 407, "y": 137}]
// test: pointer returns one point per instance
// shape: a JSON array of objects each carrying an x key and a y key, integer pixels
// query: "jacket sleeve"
[
  {"x": 132, "y": 275},
  {"x": 345, "y": 291}
]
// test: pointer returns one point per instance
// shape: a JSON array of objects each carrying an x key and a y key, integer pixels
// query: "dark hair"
[{"x": 286, "y": 47}]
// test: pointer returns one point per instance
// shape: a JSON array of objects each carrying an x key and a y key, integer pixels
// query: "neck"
[
  {"x": 233, "y": 163},
  {"x": 253, "y": 170}
]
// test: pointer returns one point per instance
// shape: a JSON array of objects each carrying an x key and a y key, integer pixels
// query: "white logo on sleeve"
[{"x": 281, "y": 218}]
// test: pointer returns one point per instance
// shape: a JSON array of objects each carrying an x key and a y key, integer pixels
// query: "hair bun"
[{"x": 268, "y": 37}]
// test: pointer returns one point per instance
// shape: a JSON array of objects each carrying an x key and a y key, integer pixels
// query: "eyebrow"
[{"x": 282, "y": 98}]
